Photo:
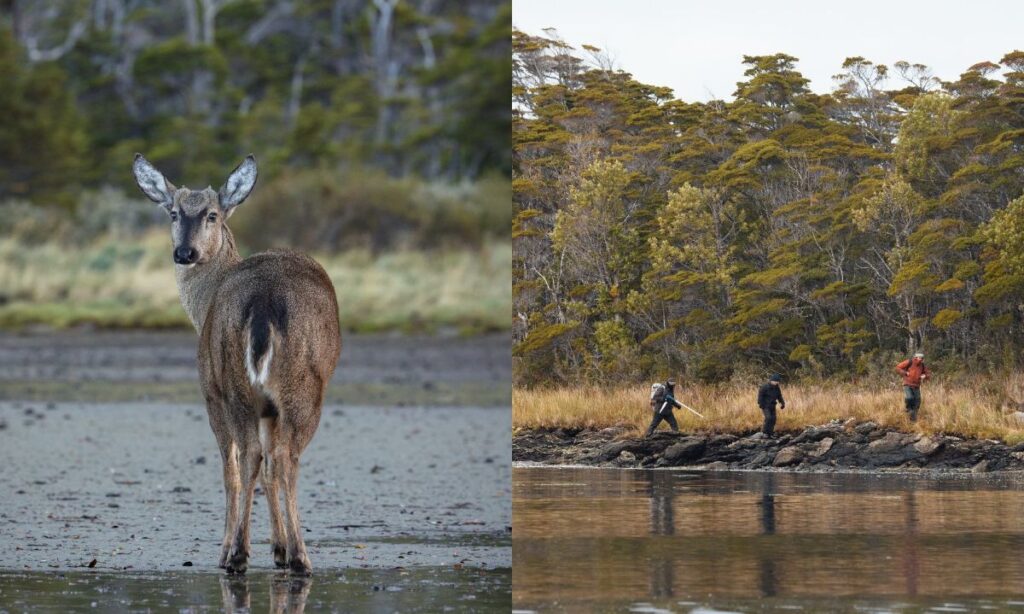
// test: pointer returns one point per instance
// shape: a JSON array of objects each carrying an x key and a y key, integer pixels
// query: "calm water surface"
[
  {"x": 649, "y": 541},
  {"x": 417, "y": 589}
]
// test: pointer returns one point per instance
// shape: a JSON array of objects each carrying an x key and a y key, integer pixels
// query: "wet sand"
[
  {"x": 138, "y": 487},
  {"x": 112, "y": 488}
]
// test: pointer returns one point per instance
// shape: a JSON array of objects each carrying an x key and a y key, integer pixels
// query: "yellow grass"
[
  {"x": 967, "y": 408},
  {"x": 130, "y": 283}
]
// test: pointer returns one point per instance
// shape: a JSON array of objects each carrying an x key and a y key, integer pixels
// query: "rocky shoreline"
[{"x": 837, "y": 446}]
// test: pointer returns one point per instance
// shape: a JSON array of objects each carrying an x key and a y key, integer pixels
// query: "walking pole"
[
  {"x": 685, "y": 406},
  {"x": 691, "y": 409}
]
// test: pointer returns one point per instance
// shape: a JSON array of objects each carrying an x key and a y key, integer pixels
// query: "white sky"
[{"x": 696, "y": 47}]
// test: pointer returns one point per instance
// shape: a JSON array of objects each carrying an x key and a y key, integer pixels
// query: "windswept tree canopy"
[{"x": 781, "y": 231}]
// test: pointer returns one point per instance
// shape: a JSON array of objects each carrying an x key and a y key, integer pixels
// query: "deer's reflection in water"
[{"x": 288, "y": 594}]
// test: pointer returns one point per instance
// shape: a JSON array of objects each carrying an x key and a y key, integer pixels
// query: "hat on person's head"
[
  {"x": 775, "y": 378},
  {"x": 919, "y": 355}
]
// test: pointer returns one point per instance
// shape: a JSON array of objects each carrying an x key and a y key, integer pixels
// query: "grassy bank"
[
  {"x": 967, "y": 408},
  {"x": 130, "y": 283}
]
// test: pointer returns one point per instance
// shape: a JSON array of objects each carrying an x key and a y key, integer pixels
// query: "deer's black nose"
[{"x": 185, "y": 255}]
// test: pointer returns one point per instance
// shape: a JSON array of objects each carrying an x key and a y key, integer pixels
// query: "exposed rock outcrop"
[{"x": 829, "y": 447}]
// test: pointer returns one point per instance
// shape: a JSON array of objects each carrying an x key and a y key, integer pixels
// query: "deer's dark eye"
[
  {"x": 212, "y": 217},
  {"x": 174, "y": 216}
]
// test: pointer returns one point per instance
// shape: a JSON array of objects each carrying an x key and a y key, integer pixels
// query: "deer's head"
[{"x": 197, "y": 216}]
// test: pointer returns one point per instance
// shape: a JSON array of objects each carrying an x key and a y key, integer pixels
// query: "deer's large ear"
[
  {"x": 152, "y": 182},
  {"x": 240, "y": 182}
]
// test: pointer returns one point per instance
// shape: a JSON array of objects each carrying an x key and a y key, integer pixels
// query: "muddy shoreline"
[
  {"x": 837, "y": 446},
  {"x": 160, "y": 366},
  {"x": 138, "y": 487}
]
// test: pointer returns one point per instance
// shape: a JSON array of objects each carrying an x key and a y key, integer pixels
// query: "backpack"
[{"x": 658, "y": 392}]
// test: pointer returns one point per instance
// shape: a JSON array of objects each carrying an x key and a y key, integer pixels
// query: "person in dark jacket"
[
  {"x": 767, "y": 396},
  {"x": 662, "y": 408}
]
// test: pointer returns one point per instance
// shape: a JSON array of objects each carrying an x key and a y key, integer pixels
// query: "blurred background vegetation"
[{"x": 381, "y": 128}]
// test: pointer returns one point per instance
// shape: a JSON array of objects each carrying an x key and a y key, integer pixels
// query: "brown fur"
[{"x": 227, "y": 299}]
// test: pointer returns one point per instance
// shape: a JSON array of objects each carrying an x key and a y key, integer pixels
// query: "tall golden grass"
[
  {"x": 969, "y": 407},
  {"x": 130, "y": 283}
]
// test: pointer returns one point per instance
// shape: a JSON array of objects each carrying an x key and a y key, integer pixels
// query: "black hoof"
[
  {"x": 299, "y": 567},
  {"x": 280, "y": 557},
  {"x": 238, "y": 563}
]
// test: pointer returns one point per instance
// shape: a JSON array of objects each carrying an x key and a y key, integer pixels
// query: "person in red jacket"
[{"x": 914, "y": 372}]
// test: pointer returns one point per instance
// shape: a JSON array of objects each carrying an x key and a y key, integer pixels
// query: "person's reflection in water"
[
  {"x": 288, "y": 594},
  {"x": 911, "y": 565},
  {"x": 662, "y": 524},
  {"x": 769, "y": 581},
  {"x": 662, "y": 519}
]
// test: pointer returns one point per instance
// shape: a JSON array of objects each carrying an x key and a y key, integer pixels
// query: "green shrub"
[{"x": 332, "y": 210}]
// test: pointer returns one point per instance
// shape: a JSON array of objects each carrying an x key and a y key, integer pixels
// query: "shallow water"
[
  {"x": 425, "y": 589},
  {"x": 646, "y": 541}
]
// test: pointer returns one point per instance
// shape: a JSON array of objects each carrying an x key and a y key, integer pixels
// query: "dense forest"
[
  {"x": 812, "y": 234},
  {"x": 410, "y": 87},
  {"x": 380, "y": 127}
]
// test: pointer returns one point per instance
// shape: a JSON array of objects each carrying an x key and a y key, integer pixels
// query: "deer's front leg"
[{"x": 232, "y": 487}]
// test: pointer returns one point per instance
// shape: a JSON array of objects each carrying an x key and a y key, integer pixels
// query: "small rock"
[
  {"x": 865, "y": 427},
  {"x": 822, "y": 448},
  {"x": 688, "y": 449},
  {"x": 787, "y": 456},
  {"x": 849, "y": 425},
  {"x": 627, "y": 456},
  {"x": 717, "y": 466},
  {"x": 1018, "y": 455},
  {"x": 187, "y": 564},
  {"x": 928, "y": 445},
  {"x": 612, "y": 450},
  {"x": 741, "y": 444},
  {"x": 981, "y": 467},
  {"x": 760, "y": 459},
  {"x": 723, "y": 440},
  {"x": 1017, "y": 416},
  {"x": 891, "y": 441}
]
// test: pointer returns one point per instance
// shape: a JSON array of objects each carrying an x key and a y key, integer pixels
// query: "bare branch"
[{"x": 35, "y": 54}]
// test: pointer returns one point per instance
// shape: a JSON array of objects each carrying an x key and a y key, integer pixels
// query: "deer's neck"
[{"x": 197, "y": 284}]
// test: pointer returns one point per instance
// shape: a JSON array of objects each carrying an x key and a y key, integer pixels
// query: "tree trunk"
[{"x": 386, "y": 70}]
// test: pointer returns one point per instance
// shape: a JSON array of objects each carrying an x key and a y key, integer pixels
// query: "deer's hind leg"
[
  {"x": 270, "y": 476},
  {"x": 300, "y": 416},
  {"x": 249, "y": 456},
  {"x": 232, "y": 483}
]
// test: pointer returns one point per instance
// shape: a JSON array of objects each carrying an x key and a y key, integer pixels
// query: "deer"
[{"x": 269, "y": 341}]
